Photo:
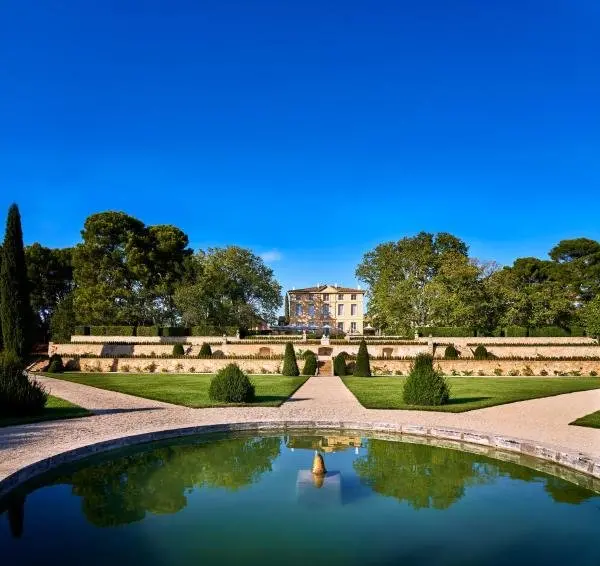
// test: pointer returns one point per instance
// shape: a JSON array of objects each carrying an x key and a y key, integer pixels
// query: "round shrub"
[
  {"x": 308, "y": 354},
  {"x": 231, "y": 385},
  {"x": 362, "y": 368},
  {"x": 481, "y": 353},
  {"x": 178, "y": 350},
  {"x": 56, "y": 364},
  {"x": 339, "y": 364},
  {"x": 290, "y": 365},
  {"x": 219, "y": 354},
  {"x": 451, "y": 353},
  {"x": 310, "y": 364},
  {"x": 205, "y": 351},
  {"x": 424, "y": 385},
  {"x": 18, "y": 395}
]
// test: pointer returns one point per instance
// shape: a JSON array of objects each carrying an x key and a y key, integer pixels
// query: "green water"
[{"x": 252, "y": 500}]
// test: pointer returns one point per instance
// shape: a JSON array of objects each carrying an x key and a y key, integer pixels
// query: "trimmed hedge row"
[
  {"x": 214, "y": 356},
  {"x": 166, "y": 331},
  {"x": 446, "y": 331},
  {"x": 507, "y": 331}
]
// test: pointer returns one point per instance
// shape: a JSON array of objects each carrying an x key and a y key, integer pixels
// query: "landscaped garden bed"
[
  {"x": 185, "y": 389},
  {"x": 55, "y": 408},
  {"x": 467, "y": 393}
]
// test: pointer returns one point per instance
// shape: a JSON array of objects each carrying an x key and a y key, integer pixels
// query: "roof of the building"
[{"x": 321, "y": 288}]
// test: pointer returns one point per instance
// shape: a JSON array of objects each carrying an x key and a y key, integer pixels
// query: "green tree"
[
  {"x": 290, "y": 365},
  {"x": 362, "y": 367},
  {"x": 50, "y": 276},
  {"x": 286, "y": 308},
  {"x": 62, "y": 323},
  {"x": 228, "y": 287},
  {"x": 339, "y": 364},
  {"x": 15, "y": 309},
  {"x": 310, "y": 364},
  {"x": 424, "y": 385},
  {"x": 591, "y": 317}
]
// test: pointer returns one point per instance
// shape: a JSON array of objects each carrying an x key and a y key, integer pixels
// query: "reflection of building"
[
  {"x": 328, "y": 306},
  {"x": 324, "y": 443}
]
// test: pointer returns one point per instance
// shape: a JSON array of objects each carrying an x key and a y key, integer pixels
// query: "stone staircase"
[{"x": 326, "y": 367}]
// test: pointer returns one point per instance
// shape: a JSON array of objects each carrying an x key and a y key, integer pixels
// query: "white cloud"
[{"x": 271, "y": 256}]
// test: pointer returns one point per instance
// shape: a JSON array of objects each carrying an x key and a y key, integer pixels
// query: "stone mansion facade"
[{"x": 330, "y": 306}]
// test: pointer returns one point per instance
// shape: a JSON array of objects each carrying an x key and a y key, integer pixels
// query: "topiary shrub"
[
  {"x": 451, "y": 353},
  {"x": 205, "y": 351},
  {"x": 231, "y": 385},
  {"x": 481, "y": 353},
  {"x": 18, "y": 395},
  {"x": 290, "y": 365},
  {"x": 218, "y": 354},
  {"x": 362, "y": 367},
  {"x": 339, "y": 364},
  {"x": 308, "y": 354},
  {"x": 310, "y": 364},
  {"x": 56, "y": 364},
  {"x": 424, "y": 385},
  {"x": 178, "y": 350}
]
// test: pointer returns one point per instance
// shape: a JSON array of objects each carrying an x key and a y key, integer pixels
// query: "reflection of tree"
[
  {"x": 424, "y": 476},
  {"x": 123, "y": 490},
  {"x": 16, "y": 512},
  {"x": 428, "y": 476}
]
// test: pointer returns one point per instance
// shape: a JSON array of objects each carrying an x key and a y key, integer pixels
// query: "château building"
[{"x": 328, "y": 306}]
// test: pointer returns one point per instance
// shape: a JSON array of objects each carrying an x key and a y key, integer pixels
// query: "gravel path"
[{"x": 320, "y": 399}]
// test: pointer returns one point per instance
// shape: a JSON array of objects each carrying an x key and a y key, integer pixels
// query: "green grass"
[
  {"x": 467, "y": 393},
  {"x": 592, "y": 420},
  {"x": 55, "y": 409},
  {"x": 190, "y": 390}
]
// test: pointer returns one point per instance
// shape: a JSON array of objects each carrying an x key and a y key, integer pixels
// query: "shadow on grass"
[
  {"x": 49, "y": 414},
  {"x": 463, "y": 400}
]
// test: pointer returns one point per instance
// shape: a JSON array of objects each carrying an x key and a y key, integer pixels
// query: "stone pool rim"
[{"x": 576, "y": 467}]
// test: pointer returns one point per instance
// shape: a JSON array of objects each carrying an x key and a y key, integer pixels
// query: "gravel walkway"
[{"x": 319, "y": 401}]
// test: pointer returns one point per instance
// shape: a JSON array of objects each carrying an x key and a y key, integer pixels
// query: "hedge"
[
  {"x": 214, "y": 331},
  {"x": 446, "y": 331},
  {"x": 82, "y": 331},
  {"x": 515, "y": 332},
  {"x": 112, "y": 331},
  {"x": 545, "y": 331},
  {"x": 174, "y": 331},
  {"x": 147, "y": 331}
]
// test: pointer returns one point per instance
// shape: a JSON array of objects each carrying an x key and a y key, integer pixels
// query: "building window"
[
  {"x": 311, "y": 310},
  {"x": 353, "y": 310},
  {"x": 311, "y": 297},
  {"x": 325, "y": 296},
  {"x": 340, "y": 297},
  {"x": 340, "y": 326},
  {"x": 353, "y": 327},
  {"x": 353, "y": 297},
  {"x": 326, "y": 311},
  {"x": 340, "y": 310},
  {"x": 298, "y": 310}
]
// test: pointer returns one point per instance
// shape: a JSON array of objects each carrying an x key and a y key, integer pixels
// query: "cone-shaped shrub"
[
  {"x": 231, "y": 385},
  {"x": 205, "y": 351},
  {"x": 310, "y": 364},
  {"x": 451, "y": 353},
  {"x": 290, "y": 365},
  {"x": 339, "y": 364},
  {"x": 56, "y": 364},
  {"x": 178, "y": 349},
  {"x": 362, "y": 367},
  {"x": 481, "y": 353},
  {"x": 18, "y": 395},
  {"x": 424, "y": 385}
]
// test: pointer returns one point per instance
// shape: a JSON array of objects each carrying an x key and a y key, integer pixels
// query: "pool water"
[{"x": 253, "y": 500}]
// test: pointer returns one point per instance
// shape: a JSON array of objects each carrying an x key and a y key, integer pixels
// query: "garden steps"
[{"x": 326, "y": 368}]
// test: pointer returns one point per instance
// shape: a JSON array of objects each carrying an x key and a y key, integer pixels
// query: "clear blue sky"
[{"x": 311, "y": 130}]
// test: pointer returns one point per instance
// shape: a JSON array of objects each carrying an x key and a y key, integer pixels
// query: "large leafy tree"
[
  {"x": 15, "y": 311},
  {"x": 50, "y": 276},
  {"x": 399, "y": 276},
  {"x": 228, "y": 287}
]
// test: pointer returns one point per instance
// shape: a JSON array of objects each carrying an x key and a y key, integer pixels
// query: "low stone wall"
[
  {"x": 505, "y": 340},
  {"x": 492, "y": 367},
  {"x": 170, "y": 365},
  {"x": 554, "y": 351}
]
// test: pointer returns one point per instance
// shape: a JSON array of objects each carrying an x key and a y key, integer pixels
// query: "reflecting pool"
[{"x": 252, "y": 499}]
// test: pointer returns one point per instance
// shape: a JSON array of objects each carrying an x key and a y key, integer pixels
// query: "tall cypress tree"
[{"x": 14, "y": 292}]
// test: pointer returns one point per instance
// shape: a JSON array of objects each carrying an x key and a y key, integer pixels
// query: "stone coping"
[{"x": 572, "y": 466}]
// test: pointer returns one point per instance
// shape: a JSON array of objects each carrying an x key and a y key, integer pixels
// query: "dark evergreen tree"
[
  {"x": 205, "y": 351},
  {"x": 339, "y": 364},
  {"x": 362, "y": 367},
  {"x": 290, "y": 365},
  {"x": 14, "y": 294},
  {"x": 481, "y": 353},
  {"x": 287, "y": 309},
  {"x": 310, "y": 364},
  {"x": 178, "y": 350},
  {"x": 451, "y": 353}
]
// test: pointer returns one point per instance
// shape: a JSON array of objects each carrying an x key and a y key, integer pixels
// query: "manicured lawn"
[
  {"x": 190, "y": 390},
  {"x": 55, "y": 409},
  {"x": 467, "y": 393},
  {"x": 592, "y": 420}
]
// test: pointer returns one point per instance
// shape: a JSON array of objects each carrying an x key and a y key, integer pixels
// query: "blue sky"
[{"x": 310, "y": 131}]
